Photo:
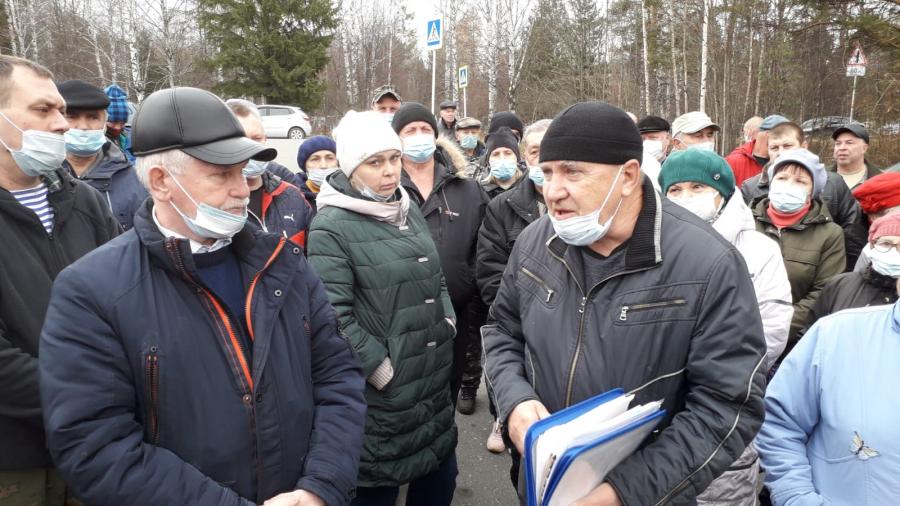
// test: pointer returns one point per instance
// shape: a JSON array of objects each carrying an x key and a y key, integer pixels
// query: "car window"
[
  {"x": 263, "y": 111},
  {"x": 279, "y": 111}
]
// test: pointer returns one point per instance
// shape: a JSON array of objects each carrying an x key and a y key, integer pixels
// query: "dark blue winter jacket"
[
  {"x": 148, "y": 398},
  {"x": 114, "y": 177},
  {"x": 285, "y": 210}
]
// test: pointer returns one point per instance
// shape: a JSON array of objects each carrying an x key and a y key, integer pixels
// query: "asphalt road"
[{"x": 483, "y": 476}]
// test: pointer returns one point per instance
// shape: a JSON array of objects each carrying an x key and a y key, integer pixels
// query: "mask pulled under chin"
[
  {"x": 211, "y": 222},
  {"x": 587, "y": 229}
]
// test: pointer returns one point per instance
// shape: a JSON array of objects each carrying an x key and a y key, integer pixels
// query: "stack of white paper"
[{"x": 570, "y": 452}]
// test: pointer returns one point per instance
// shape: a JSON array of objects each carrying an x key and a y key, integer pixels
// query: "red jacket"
[{"x": 742, "y": 162}]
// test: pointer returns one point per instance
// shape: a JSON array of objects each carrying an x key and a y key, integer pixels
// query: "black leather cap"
[
  {"x": 81, "y": 95},
  {"x": 856, "y": 129},
  {"x": 196, "y": 122}
]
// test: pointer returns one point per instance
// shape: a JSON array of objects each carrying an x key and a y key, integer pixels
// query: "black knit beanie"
[
  {"x": 592, "y": 132},
  {"x": 413, "y": 111},
  {"x": 502, "y": 138},
  {"x": 509, "y": 120}
]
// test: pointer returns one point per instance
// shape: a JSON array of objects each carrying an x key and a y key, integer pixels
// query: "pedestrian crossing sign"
[{"x": 434, "y": 34}]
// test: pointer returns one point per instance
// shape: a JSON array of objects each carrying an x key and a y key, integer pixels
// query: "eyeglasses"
[{"x": 885, "y": 246}]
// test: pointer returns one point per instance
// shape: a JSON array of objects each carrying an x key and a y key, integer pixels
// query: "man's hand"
[
  {"x": 521, "y": 418},
  {"x": 295, "y": 498},
  {"x": 604, "y": 495}
]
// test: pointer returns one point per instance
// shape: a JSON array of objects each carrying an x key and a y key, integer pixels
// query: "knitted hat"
[
  {"x": 502, "y": 138},
  {"x": 118, "y": 104},
  {"x": 697, "y": 166},
  {"x": 772, "y": 121},
  {"x": 413, "y": 111},
  {"x": 692, "y": 122},
  {"x": 592, "y": 132},
  {"x": 879, "y": 193},
  {"x": 313, "y": 144},
  {"x": 506, "y": 119},
  {"x": 653, "y": 124},
  {"x": 360, "y": 135},
  {"x": 888, "y": 224},
  {"x": 808, "y": 161},
  {"x": 81, "y": 95}
]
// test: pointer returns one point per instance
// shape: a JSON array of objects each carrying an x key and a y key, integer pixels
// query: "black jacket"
[
  {"x": 506, "y": 217},
  {"x": 679, "y": 322},
  {"x": 853, "y": 289},
  {"x": 150, "y": 398},
  {"x": 29, "y": 262},
  {"x": 842, "y": 206},
  {"x": 114, "y": 177},
  {"x": 454, "y": 212}
]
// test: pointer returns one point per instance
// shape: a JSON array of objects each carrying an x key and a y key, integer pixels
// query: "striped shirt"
[{"x": 36, "y": 200}]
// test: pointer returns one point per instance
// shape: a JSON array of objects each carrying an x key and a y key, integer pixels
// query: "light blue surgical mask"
[
  {"x": 536, "y": 174},
  {"x": 704, "y": 146},
  {"x": 317, "y": 176},
  {"x": 587, "y": 229},
  {"x": 504, "y": 169},
  {"x": 211, "y": 222},
  {"x": 254, "y": 169},
  {"x": 786, "y": 197},
  {"x": 84, "y": 142},
  {"x": 369, "y": 193},
  {"x": 389, "y": 117},
  {"x": 41, "y": 152},
  {"x": 469, "y": 141},
  {"x": 419, "y": 148}
]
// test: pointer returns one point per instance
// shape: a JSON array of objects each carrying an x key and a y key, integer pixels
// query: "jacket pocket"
[
  {"x": 646, "y": 306},
  {"x": 540, "y": 288},
  {"x": 151, "y": 376}
]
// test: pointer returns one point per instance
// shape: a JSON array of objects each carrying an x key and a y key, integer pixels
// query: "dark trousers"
[
  {"x": 466, "y": 361},
  {"x": 435, "y": 489}
]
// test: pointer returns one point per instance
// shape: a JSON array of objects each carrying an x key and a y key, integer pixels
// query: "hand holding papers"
[{"x": 569, "y": 453}]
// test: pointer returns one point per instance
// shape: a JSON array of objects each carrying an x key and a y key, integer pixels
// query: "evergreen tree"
[{"x": 270, "y": 48}]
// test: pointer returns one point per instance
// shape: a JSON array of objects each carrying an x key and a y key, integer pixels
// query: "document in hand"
[{"x": 569, "y": 453}]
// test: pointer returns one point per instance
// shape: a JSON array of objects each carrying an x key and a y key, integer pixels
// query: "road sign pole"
[
  {"x": 853, "y": 98},
  {"x": 433, "y": 72}
]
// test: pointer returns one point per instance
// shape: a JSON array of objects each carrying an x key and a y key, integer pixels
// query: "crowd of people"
[{"x": 185, "y": 321}]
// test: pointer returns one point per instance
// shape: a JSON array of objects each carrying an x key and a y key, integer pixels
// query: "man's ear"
[
  {"x": 631, "y": 177},
  {"x": 159, "y": 183}
]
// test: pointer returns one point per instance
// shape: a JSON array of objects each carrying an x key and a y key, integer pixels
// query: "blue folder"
[{"x": 570, "y": 456}]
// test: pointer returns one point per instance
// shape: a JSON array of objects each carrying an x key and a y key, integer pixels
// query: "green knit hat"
[{"x": 699, "y": 166}]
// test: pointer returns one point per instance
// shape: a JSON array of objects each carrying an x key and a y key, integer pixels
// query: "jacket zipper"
[
  {"x": 249, "y": 300},
  {"x": 623, "y": 315},
  {"x": 583, "y": 310},
  {"x": 540, "y": 281},
  {"x": 152, "y": 372}
]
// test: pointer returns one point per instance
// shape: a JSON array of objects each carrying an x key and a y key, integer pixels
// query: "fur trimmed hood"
[{"x": 452, "y": 156}]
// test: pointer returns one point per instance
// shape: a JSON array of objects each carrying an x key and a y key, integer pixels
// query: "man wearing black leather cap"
[{"x": 209, "y": 369}]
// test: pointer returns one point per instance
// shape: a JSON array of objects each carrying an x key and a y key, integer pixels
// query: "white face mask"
[
  {"x": 703, "y": 205},
  {"x": 211, "y": 222},
  {"x": 704, "y": 146},
  {"x": 254, "y": 169},
  {"x": 317, "y": 176},
  {"x": 587, "y": 229},
  {"x": 654, "y": 149},
  {"x": 887, "y": 264}
]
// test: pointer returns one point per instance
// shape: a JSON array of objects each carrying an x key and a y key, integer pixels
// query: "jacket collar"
[
  {"x": 110, "y": 160},
  {"x": 523, "y": 200},
  {"x": 643, "y": 249},
  {"x": 60, "y": 193},
  {"x": 814, "y": 216}
]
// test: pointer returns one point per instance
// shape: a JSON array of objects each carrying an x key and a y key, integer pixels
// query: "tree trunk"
[
  {"x": 675, "y": 96},
  {"x": 646, "y": 57},
  {"x": 704, "y": 53}
]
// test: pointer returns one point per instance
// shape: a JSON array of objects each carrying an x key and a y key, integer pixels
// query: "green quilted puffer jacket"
[{"x": 386, "y": 285}]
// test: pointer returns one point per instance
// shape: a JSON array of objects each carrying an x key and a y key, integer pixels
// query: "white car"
[{"x": 285, "y": 121}]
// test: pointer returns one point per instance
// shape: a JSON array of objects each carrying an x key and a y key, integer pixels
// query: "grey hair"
[
  {"x": 174, "y": 160},
  {"x": 537, "y": 127},
  {"x": 243, "y": 108}
]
